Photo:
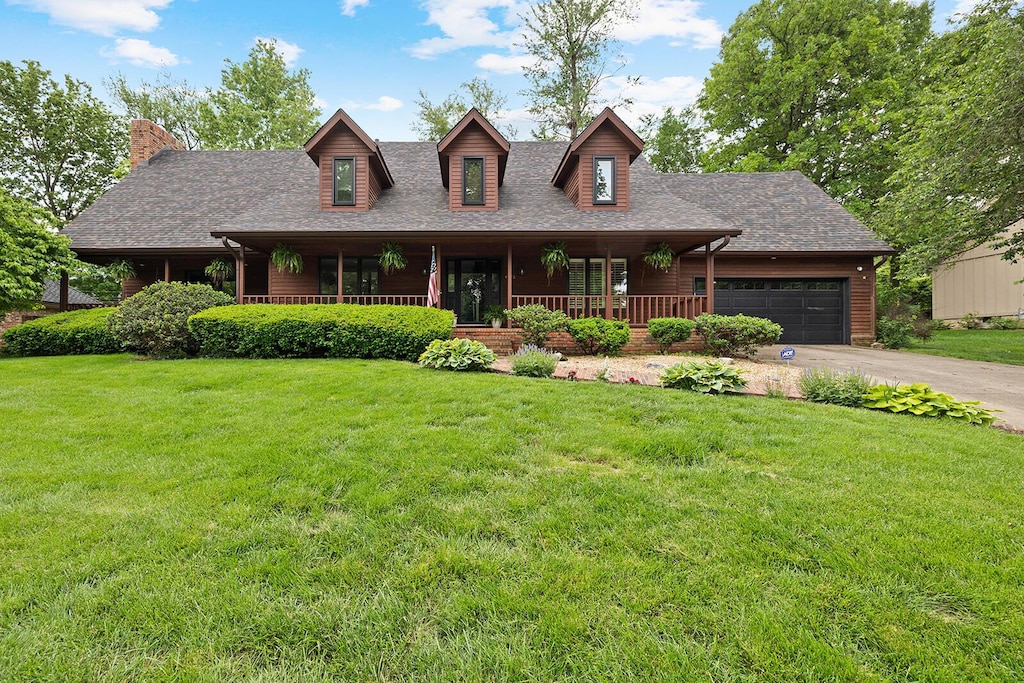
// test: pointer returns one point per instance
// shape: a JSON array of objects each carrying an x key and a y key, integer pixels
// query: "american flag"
[{"x": 432, "y": 284}]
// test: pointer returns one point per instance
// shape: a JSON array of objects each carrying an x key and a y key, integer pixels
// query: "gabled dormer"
[
  {"x": 473, "y": 156},
  {"x": 352, "y": 169},
  {"x": 594, "y": 171}
]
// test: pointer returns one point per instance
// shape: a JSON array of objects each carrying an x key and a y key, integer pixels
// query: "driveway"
[{"x": 994, "y": 384}]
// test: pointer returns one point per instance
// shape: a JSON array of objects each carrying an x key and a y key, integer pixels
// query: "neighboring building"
[
  {"x": 979, "y": 281},
  {"x": 50, "y": 301},
  {"x": 774, "y": 244}
]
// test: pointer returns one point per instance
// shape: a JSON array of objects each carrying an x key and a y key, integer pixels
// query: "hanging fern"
[
  {"x": 285, "y": 258},
  {"x": 391, "y": 257},
  {"x": 121, "y": 269},
  {"x": 661, "y": 257},
  {"x": 554, "y": 257}
]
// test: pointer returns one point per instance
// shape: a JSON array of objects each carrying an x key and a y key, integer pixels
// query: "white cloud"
[
  {"x": 651, "y": 96},
  {"x": 140, "y": 53},
  {"x": 348, "y": 7},
  {"x": 105, "y": 17},
  {"x": 383, "y": 103},
  {"x": 289, "y": 51},
  {"x": 504, "y": 64},
  {"x": 467, "y": 23},
  {"x": 670, "y": 19},
  {"x": 965, "y": 6}
]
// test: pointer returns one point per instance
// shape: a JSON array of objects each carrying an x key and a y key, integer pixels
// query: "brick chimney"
[{"x": 147, "y": 138}]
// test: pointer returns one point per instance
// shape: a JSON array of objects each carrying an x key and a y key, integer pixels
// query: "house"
[
  {"x": 51, "y": 303},
  {"x": 773, "y": 244},
  {"x": 979, "y": 282}
]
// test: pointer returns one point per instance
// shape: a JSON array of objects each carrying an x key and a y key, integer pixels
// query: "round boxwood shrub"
[
  {"x": 597, "y": 335},
  {"x": 669, "y": 331},
  {"x": 63, "y": 334},
  {"x": 728, "y": 335},
  {"x": 457, "y": 354},
  {"x": 155, "y": 321}
]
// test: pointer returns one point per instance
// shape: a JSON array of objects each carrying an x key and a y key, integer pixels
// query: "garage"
[{"x": 811, "y": 311}]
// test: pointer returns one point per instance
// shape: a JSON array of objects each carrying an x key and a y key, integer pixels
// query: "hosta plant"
[
  {"x": 921, "y": 399},
  {"x": 457, "y": 354},
  {"x": 705, "y": 377}
]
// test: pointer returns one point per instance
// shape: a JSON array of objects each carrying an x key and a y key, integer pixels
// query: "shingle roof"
[
  {"x": 179, "y": 198},
  {"x": 51, "y": 294}
]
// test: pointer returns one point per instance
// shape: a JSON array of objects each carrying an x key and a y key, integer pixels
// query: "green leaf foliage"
[
  {"x": 63, "y": 334},
  {"x": 155, "y": 321},
  {"x": 599, "y": 336},
  {"x": 675, "y": 141},
  {"x": 530, "y": 360},
  {"x": 259, "y": 105},
  {"x": 60, "y": 146},
  {"x": 704, "y": 377},
  {"x": 320, "y": 330},
  {"x": 728, "y": 335},
  {"x": 825, "y": 385},
  {"x": 537, "y": 322},
  {"x": 30, "y": 251},
  {"x": 433, "y": 121},
  {"x": 669, "y": 331},
  {"x": 920, "y": 399},
  {"x": 173, "y": 105},
  {"x": 457, "y": 354}
]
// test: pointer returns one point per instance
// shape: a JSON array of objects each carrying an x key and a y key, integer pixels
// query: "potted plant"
[
  {"x": 121, "y": 269},
  {"x": 285, "y": 258},
  {"x": 218, "y": 271},
  {"x": 495, "y": 315},
  {"x": 554, "y": 257},
  {"x": 391, "y": 257},
  {"x": 661, "y": 257}
]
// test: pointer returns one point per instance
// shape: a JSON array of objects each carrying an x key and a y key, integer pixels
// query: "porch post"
[
  {"x": 608, "y": 283},
  {"x": 240, "y": 274},
  {"x": 341, "y": 269},
  {"x": 64, "y": 291},
  {"x": 167, "y": 270},
  {"x": 709, "y": 278},
  {"x": 508, "y": 278}
]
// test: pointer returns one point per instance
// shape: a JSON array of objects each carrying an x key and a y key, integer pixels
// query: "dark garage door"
[{"x": 810, "y": 311}]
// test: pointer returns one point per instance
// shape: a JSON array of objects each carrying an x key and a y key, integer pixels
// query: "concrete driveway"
[{"x": 994, "y": 384}]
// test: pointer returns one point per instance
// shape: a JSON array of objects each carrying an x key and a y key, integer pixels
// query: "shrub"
[
  {"x": 457, "y": 354},
  {"x": 537, "y": 322},
  {"x": 320, "y": 331},
  {"x": 669, "y": 331},
  {"x": 1004, "y": 323},
  {"x": 970, "y": 321},
  {"x": 894, "y": 333},
  {"x": 728, "y": 335},
  {"x": 824, "y": 385},
  {"x": 705, "y": 377},
  {"x": 597, "y": 335},
  {"x": 63, "y": 334},
  {"x": 533, "y": 361},
  {"x": 920, "y": 399},
  {"x": 155, "y": 321}
]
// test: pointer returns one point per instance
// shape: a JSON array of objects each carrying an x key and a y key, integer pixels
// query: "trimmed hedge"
[
  {"x": 320, "y": 331},
  {"x": 669, "y": 331},
  {"x": 63, "y": 334},
  {"x": 597, "y": 335},
  {"x": 727, "y": 335}
]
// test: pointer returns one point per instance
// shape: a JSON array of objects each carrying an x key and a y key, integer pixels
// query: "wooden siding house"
[{"x": 773, "y": 244}]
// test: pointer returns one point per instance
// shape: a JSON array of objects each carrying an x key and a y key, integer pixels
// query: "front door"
[{"x": 471, "y": 286}]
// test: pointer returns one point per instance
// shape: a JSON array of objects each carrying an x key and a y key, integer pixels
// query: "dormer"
[
  {"x": 594, "y": 171},
  {"x": 473, "y": 156},
  {"x": 352, "y": 169}
]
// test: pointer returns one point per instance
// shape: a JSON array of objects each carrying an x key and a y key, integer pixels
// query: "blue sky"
[{"x": 370, "y": 57}]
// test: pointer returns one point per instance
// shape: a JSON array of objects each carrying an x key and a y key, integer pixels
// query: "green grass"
[
  {"x": 356, "y": 520},
  {"x": 996, "y": 346}
]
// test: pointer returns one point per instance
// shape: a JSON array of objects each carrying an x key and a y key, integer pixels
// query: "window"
[
  {"x": 586, "y": 277},
  {"x": 361, "y": 275},
  {"x": 700, "y": 288},
  {"x": 824, "y": 286},
  {"x": 604, "y": 180},
  {"x": 344, "y": 181},
  {"x": 788, "y": 285},
  {"x": 472, "y": 181}
]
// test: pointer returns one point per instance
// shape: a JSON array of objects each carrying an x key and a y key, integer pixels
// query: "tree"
[
  {"x": 435, "y": 120},
  {"x": 675, "y": 142},
  {"x": 822, "y": 86},
  {"x": 31, "y": 250},
  {"x": 172, "y": 104},
  {"x": 570, "y": 42},
  {"x": 60, "y": 147},
  {"x": 260, "y": 105},
  {"x": 960, "y": 177}
]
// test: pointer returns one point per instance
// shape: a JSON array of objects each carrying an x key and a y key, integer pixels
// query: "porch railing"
[
  {"x": 637, "y": 309},
  {"x": 396, "y": 299}
]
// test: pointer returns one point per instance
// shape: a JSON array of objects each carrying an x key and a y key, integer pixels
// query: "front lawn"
[
  {"x": 996, "y": 346},
  {"x": 372, "y": 520}
]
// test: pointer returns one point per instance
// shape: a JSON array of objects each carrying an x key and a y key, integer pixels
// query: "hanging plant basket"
[
  {"x": 554, "y": 257},
  {"x": 660, "y": 258},
  {"x": 285, "y": 258},
  {"x": 391, "y": 257},
  {"x": 121, "y": 269}
]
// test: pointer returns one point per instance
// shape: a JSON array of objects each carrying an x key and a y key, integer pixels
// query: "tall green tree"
[
  {"x": 571, "y": 42},
  {"x": 31, "y": 250},
  {"x": 433, "y": 121},
  {"x": 60, "y": 147},
  {"x": 174, "y": 105},
  {"x": 674, "y": 142},
  {"x": 259, "y": 105},
  {"x": 822, "y": 86},
  {"x": 960, "y": 178}
]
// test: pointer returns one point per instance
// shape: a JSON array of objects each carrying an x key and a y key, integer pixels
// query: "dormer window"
[
  {"x": 344, "y": 181},
  {"x": 472, "y": 181},
  {"x": 604, "y": 180}
]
